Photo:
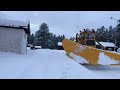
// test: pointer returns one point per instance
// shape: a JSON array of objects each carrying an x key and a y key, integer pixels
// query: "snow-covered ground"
[
  {"x": 108, "y": 72},
  {"x": 50, "y": 64}
]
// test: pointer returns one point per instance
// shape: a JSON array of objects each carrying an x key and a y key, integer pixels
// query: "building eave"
[{"x": 27, "y": 30}]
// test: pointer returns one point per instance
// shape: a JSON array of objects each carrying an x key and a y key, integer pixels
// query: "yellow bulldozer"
[{"x": 85, "y": 48}]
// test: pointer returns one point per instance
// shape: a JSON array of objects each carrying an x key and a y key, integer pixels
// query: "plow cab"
[{"x": 86, "y": 38}]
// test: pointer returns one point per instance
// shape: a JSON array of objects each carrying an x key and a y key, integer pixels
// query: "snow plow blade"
[{"x": 90, "y": 54}]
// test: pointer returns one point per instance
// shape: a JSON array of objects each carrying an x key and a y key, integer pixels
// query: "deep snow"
[
  {"x": 48, "y": 64},
  {"x": 42, "y": 64}
]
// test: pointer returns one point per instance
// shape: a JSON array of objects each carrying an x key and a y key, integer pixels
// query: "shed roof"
[
  {"x": 106, "y": 44},
  {"x": 38, "y": 46},
  {"x": 59, "y": 43},
  {"x": 15, "y": 24}
]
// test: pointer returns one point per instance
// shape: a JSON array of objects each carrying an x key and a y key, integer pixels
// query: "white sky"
[{"x": 64, "y": 22}]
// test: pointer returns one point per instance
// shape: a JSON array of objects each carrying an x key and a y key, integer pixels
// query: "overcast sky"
[{"x": 64, "y": 22}]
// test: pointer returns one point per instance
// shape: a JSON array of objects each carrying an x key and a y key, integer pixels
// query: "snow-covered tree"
[
  {"x": 51, "y": 41},
  {"x": 101, "y": 34},
  {"x": 37, "y": 39},
  {"x": 42, "y": 36},
  {"x": 55, "y": 41}
]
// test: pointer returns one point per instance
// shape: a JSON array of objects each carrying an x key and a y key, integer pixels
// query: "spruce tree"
[
  {"x": 42, "y": 36},
  {"x": 30, "y": 39}
]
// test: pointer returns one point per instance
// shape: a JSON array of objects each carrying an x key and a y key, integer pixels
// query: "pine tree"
[
  {"x": 107, "y": 35},
  {"x": 55, "y": 41},
  {"x": 110, "y": 28},
  {"x": 58, "y": 38},
  {"x": 37, "y": 40},
  {"x": 30, "y": 39},
  {"x": 42, "y": 36},
  {"x": 63, "y": 36},
  {"x": 70, "y": 38},
  {"x": 100, "y": 34},
  {"x": 118, "y": 39},
  {"x": 97, "y": 35},
  {"x": 51, "y": 41}
]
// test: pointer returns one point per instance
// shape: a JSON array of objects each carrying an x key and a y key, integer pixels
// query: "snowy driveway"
[{"x": 50, "y": 64}]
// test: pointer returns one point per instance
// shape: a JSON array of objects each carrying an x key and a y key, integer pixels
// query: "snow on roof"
[
  {"x": 118, "y": 50},
  {"x": 96, "y": 43},
  {"x": 38, "y": 46},
  {"x": 13, "y": 23},
  {"x": 106, "y": 44},
  {"x": 59, "y": 43}
]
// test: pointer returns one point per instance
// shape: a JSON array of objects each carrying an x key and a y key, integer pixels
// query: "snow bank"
[{"x": 105, "y": 60}]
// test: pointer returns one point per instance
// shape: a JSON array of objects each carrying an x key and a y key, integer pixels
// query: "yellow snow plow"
[{"x": 85, "y": 49}]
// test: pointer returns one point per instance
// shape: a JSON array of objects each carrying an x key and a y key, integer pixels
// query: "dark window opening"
[
  {"x": 90, "y": 36},
  {"x": 60, "y": 48},
  {"x": 90, "y": 42}
]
